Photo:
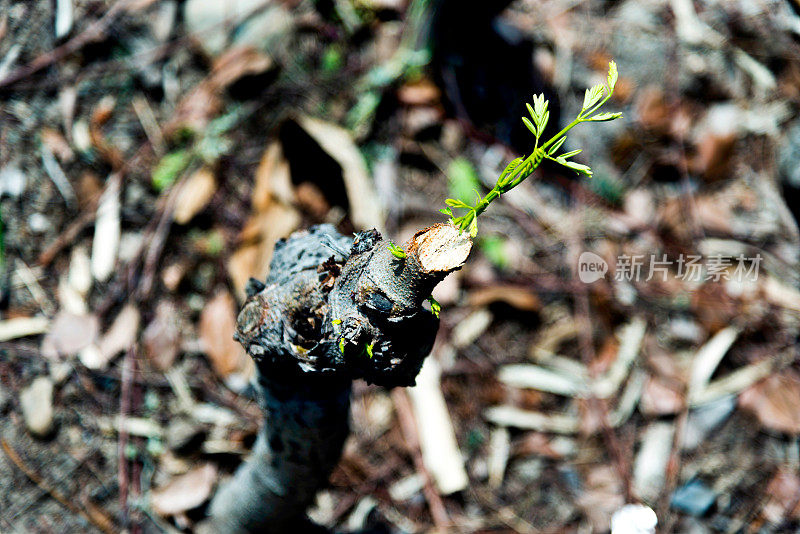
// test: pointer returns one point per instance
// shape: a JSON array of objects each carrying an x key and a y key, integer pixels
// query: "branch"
[{"x": 331, "y": 310}]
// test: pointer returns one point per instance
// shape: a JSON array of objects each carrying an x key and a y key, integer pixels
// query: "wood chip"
[
  {"x": 23, "y": 327},
  {"x": 107, "y": 231},
  {"x": 440, "y": 451},
  {"x": 708, "y": 358}
]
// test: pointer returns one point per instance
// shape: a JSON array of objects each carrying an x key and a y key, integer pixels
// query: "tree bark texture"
[{"x": 332, "y": 309}]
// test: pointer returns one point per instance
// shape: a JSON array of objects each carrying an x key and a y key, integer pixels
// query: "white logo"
[{"x": 591, "y": 267}]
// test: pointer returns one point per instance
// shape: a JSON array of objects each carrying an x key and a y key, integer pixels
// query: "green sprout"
[
  {"x": 396, "y": 251},
  {"x": 337, "y": 321},
  {"x": 436, "y": 308},
  {"x": 522, "y": 167},
  {"x": 341, "y": 345},
  {"x": 369, "y": 348}
]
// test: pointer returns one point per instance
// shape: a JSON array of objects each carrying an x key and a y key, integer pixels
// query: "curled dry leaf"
[
  {"x": 774, "y": 402},
  {"x": 195, "y": 193},
  {"x": 338, "y": 143},
  {"x": 184, "y": 492},
  {"x": 216, "y": 329}
]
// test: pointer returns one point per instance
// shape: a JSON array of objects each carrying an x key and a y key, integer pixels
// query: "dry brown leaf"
[
  {"x": 774, "y": 402},
  {"x": 519, "y": 297},
  {"x": 216, "y": 328},
  {"x": 69, "y": 334},
  {"x": 259, "y": 236},
  {"x": 365, "y": 210},
  {"x": 162, "y": 337},
  {"x": 195, "y": 193},
  {"x": 184, "y": 492}
]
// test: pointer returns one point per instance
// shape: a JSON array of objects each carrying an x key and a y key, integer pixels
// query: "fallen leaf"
[
  {"x": 162, "y": 337},
  {"x": 774, "y": 402},
  {"x": 216, "y": 328},
  {"x": 69, "y": 334},
  {"x": 195, "y": 193},
  {"x": 261, "y": 232},
  {"x": 184, "y": 492},
  {"x": 365, "y": 210},
  {"x": 519, "y": 297}
]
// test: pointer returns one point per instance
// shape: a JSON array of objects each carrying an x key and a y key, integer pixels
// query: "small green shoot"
[
  {"x": 341, "y": 345},
  {"x": 337, "y": 322},
  {"x": 396, "y": 251},
  {"x": 436, "y": 308},
  {"x": 522, "y": 167},
  {"x": 369, "y": 349}
]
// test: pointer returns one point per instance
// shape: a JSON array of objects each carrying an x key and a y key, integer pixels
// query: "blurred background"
[{"x": 152, "y": 152}]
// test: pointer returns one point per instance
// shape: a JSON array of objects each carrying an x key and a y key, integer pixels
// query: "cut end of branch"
[{"x": 442, "y": 248}]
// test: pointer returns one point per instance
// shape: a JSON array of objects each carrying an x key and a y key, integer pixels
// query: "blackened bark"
[{"x": 332, "y": 310}]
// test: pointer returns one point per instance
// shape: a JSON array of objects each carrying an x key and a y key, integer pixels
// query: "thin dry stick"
[
  {"x": 97, "y": 518},
  {"x": 128, "y": 365},
  {"x": 409, "y": 427}
]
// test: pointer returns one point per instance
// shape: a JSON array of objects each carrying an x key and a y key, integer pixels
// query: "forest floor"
[{"x": 152, "y": 152}]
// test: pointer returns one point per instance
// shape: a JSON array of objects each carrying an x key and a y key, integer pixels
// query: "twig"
[
  {"x": 90, "y": 34},
  {"x": 404, "y": 413},
  {"x": 128, "y": 365},
  {"x": 97, "y": 518}
]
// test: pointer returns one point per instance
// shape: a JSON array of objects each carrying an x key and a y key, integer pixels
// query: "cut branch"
[{"x": 331, "y": 310}]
